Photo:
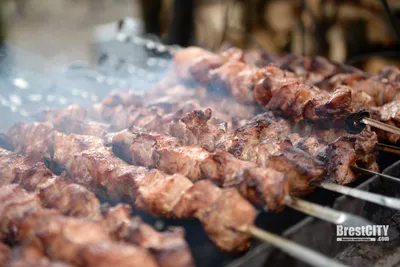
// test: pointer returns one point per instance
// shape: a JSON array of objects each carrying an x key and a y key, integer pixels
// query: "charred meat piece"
[
  {"x": 263, "y": 184},
  {"x": 299, "y": 167},
  {"x": 169, "y": 248},
  {"x": 390, "y": 114},
  {"x": 347, "y": 151},
  {"x": 61, "y": 238}
]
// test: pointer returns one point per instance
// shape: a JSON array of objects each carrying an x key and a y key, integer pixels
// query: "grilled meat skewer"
[
  {"x": 91, "y": 164},
  {"x": 225, "y": 215},
  {"x": 283, "y": 91},
  {"x": 261, "y": 141},
  {"x": 60, "y": 193},
  {"x": 74, "y": 240}
]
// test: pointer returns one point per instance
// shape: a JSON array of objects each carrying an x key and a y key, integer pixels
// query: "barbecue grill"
[{"x": 89, "y": 84}]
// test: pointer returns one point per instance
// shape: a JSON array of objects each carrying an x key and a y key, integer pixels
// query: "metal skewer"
[
  {"x": 356, "y": 122},
  {"x": 293, "y": 249},
  {"x": 372, "y": 173},
  {"x": 381, "y": 125},
  {"x": 388, "y": 202},
  {"x": 326, "y": 213},
  {"x": 388, "y": 148}
]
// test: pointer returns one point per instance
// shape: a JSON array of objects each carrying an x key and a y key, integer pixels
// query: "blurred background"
[{"x": 365, "y": 33}]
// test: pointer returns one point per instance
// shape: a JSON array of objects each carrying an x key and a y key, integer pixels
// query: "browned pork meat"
[
  {"x": 30, "y": 255},
  {"x": 72, "y": 199},
  {"x": 299, "y": 167},
  {"x": 4, "y": 253},
  {"x": 390, "y": 114},
  {"x": 300, "y": 101},
  {"x": 194, "y": 60},
  {"x": 62, "y": 238},
  {"x": 36, "y": 138},
  {"x": 347, "y": 151},
  {"x": 238, "y": 79},
  {"x": 196, "y": 163},
  {"x": 379, "y": 90},
  {"x": 169, "y": 248},
  {"x": 95, "y": 166},
  {"x": 55, "y": 192}
]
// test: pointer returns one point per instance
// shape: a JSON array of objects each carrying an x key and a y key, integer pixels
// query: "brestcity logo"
[{"x": 369, "y": 233}]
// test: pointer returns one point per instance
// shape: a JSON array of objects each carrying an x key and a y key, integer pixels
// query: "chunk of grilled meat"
[
  {"x": 194, "y": 60},
  {"x": 238, "y": 79},
  {"x": 31, "y": 254},
  {"x": 72, "y": 199},
  {"x": 347, "y": 151},
  {"x": 169, "y": 248},
  {"x": 220, "y": 211},
  {"x": 93, "y": 165},
  {"x": 56, "y": 192},
  {"x": 65, "y": 238},
  {"x": 4, "y": 254},
  {"x": 300, "y": 101},
  {"x": 197, "y": 130},
  {"x": 299, "y": 167},
  {"x": 196, "y": 163},
  {"x": 379, "y": 89},
  {"x": 315, "y": 70},
  {"x": 36, "y": 138}
]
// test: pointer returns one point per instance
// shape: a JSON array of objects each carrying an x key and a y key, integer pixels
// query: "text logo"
[{"x": 370, "y": 233}]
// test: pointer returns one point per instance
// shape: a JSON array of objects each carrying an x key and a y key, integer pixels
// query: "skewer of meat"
[
  {"x": 71, "y": 199},
  {"x": 340, "y": 156},
  {"x": 73, "y": 240},
  {"x": 245, "y": 142},
  {"x": 278, "y": 90},
  {"x": 259, "y": 186},
  {"x": 225, "y": 215},
  {"x": 346, "y": 151},
  {"x": 91, "y": 164}
]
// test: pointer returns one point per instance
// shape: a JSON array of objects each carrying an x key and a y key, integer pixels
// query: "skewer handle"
[
  {"x": 369, "y": 172},
  {"x": 381, "y": 125},
  {"x": 327, "y": 214},
  {"x": 388, "y": 148},
  {"x": 388, "y": 202},
  {"x": 293, "y": 249}
]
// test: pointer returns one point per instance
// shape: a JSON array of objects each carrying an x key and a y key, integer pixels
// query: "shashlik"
[
  {"x": 91, "y": 164},
  {"x": 171, "y": 156},
  {"x": 60, "y": 193},
  {"x": 279, "y": 90},
  {"x": 261, "y": 140},
  {"x": 256, "y": 142},
  {"x": 74, "y": 240}
]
